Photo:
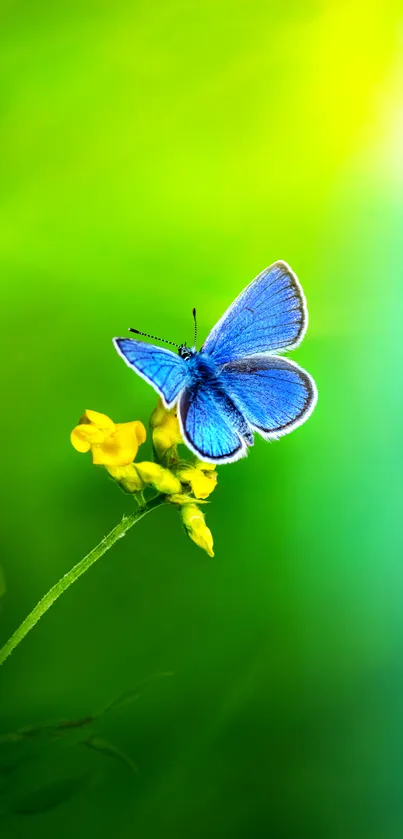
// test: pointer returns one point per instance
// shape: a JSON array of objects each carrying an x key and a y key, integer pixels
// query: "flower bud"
[
  {"x": 127, "y": 476},
  {"x": 196, "y": 528},
  {"x": 162, "y": 479}
]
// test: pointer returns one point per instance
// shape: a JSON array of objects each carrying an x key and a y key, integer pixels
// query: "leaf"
[
  {"x": 29, "y": 732},
  {"x": 47, "y": 729},
  {"x": 50, "y": 796},
  {"x": 58, "y": 728},
  {"x": 131, "y": 695},
  {"x": 109, "y": 750}
]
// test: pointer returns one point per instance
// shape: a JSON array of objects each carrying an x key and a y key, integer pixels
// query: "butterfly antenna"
[
  {"x": 194, "y": 318},
  {"x": 147, "y": 335}
]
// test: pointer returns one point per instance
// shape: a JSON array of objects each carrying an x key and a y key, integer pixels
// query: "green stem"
[{"x": 74, "y": 573}]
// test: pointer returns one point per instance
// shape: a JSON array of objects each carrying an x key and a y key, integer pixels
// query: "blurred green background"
[{"x": 156, "y": 157}]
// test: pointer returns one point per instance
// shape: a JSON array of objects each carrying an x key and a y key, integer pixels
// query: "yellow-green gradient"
[{"x": 155, "y": 157}]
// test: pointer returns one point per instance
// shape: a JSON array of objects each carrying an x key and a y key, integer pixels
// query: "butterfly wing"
[
  {"x": 274, "y": 394},
  {"x": 161, "y": 368},
  {"x": 211, "y": 425},
  {"x": 269, "y": 315}
]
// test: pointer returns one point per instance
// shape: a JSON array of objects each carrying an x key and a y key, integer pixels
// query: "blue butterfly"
[{"x": 236, "y": 384}]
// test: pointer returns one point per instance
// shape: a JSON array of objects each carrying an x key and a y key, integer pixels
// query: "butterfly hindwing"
[
  {"x": 163, "y": 369},
  {"x": 269, "y": 315},
  {"x": 212, "y": 427},
  {"x": 274, "y": 394}
]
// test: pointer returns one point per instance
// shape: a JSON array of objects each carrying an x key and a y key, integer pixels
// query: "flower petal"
[
  {"x": 83, "y": 437},
  {"x": 202, "y": 484},
  {"x": 139, "y": 430},
  {"x": 101, "y": 420},
  {"x": 130, "y": 436},
  {"x": 205, "y": 467},
  {"x": 79, "y": 442},
  {"x": 165, "y": 428}
]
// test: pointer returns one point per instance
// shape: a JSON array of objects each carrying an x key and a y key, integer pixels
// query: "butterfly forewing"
[
  {"x": 161, "y": 368},
  {"x": 268, "y": 316}
]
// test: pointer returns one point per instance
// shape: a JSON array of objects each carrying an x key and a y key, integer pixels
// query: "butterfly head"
[{"x": 186, "y": 352}]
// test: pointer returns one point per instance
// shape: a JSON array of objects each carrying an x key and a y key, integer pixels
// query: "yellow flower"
[
  {"x": 202, "y": 483},
  {"x": 165, "y": 429},
  {"x": 196, "y": 528},
  {"x": 127, "y": 476},
  {"x": 162, "y": 479},
  {"x": 111, "y": 444}
]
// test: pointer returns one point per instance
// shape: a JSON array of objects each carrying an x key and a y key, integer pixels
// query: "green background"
[{"x": 156, "y": 157}]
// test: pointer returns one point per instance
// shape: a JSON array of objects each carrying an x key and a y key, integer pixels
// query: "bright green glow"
[{"x": 156, "y": 157}]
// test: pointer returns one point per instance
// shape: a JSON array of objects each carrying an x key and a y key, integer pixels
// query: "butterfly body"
[
  {"x": 201, "y": 367},
  {"x": 237, "y": 384}
]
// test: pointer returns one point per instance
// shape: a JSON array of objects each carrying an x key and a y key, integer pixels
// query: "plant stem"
[{"x": 76, "y": 572}]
